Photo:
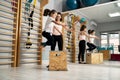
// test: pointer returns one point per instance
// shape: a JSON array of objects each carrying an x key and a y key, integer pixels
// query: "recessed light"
[
  {"x": 116, "y": 14},
  {"x": 118, "y": 4}
]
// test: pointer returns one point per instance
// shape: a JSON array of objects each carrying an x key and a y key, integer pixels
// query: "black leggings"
[
  {"x": 82, "y": 46},
  {"x": 91, "y": 46},
  {"x": 50, "y": 39},
  {"x": 59, "y": 39}
]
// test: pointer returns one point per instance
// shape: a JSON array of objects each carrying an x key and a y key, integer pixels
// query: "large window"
[
  {"x": 114, "y": 40},
  {"x": 104, "y": 39},
  {"x": 108, "y": 39}
]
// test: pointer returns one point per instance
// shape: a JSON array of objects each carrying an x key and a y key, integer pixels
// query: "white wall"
[{"x": 109, "y": 26}]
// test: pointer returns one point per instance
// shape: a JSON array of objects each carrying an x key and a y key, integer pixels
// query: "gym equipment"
[
  {"x": 8, "y": 32},
  {"x": 72, "y": 4},
  {"x": 28, "y": 43},
  {"x": 79, "y": 4},
  {"x": 82, "y": 20},
  {"x": 89, "y": 2},
  {"x": 29, "y": 1},
  {"x": 13, "y": 2},
  {"x": 13, "y": 47},
  {"x": 69, "y": 21},
  {"x": 106, "y": 54},
  {"x": 58, "y": 61},
  {"x": 30, "y": 19},
  {"x": 94, "y": 58}
]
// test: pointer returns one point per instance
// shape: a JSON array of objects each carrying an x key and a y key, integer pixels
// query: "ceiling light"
[
  {"x": 114, "y": 14},
  {"x": 118, "y": 4}
]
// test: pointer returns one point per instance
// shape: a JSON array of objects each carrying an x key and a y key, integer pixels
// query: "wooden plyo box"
[
  {"x": 57, "y": 61},
  {"x": 106, "y": 54},
  {"x": 94, "y": 58}
]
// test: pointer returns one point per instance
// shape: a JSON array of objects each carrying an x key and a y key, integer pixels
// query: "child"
[
  {"x": 48, "y": 30},
  {"x": 57, "y": 32},
  {"x": 90, "y": 42}
]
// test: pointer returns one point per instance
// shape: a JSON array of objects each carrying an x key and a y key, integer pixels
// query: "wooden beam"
[
  {"x": 73, "y": 41},
  {"x": 43, "y": 3},
  {"x": 14, "y": 48},
  {"x": 19, "y": 32},
  {"x": 63, "y": 16}
]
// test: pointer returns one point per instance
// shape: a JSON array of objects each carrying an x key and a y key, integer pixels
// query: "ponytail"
[
  {"x": 46, "y": 12},
  {"x": 49, "y": 12}
]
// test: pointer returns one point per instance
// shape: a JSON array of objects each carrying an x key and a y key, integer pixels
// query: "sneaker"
[
  {"x": 83, "y": 62},
  {"x": 47, "y": 66}
]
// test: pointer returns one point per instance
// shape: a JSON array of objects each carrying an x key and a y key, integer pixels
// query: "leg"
[
  {"x": 93, "y": 47},
  {"x": 79, "y": 55},
  {"x": 49, "y": 38},
  {"x": 60, "y": 43},
  {"x": 90, "y": 46},
  {"x": 53, "y": 46},
  {"x": 82, "y": 49}
]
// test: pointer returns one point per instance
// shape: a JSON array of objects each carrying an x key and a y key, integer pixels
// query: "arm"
[
  {"x": 67, "y": 28},
  {"x": 92, "y": 36},
  {"x": 57, "y": 30},
  {"x": 59, "y": 23},
  {"x": 97, "y": 37},
  {"x": 78, "y": 35}
]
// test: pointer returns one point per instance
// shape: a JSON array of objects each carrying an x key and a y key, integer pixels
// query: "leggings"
[
  {"x": 82, "y": 46},
  {"x": 91, "y": 46},
  {"x": 58, "y": 39},
  {"x": 50, "y": 39}
]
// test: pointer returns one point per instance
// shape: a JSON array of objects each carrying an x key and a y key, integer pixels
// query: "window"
[
  {"x": 104, "y": 39},
  {"x": 114, "y": 40},
  {"x": 110, "y": 39}
]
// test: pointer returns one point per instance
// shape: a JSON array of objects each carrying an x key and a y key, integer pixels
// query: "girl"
[
  {"x": 82, "y": 43},
  {"x": 48, "y": 30},
  {"x": 90, "y": 42},
  {"x": 57, "y": 32}
]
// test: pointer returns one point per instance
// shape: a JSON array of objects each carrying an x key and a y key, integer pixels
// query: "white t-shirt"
[
  {"x": 82, "y": 37},
  {"x": 49, "y": 25},
  {"x": 92, "y": 39},
  {"x": 56, "y": 32}
]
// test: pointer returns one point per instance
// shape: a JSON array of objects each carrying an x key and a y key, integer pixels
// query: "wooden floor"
[{"x": 110, "y": 70}]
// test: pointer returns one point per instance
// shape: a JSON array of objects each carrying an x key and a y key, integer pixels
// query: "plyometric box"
[
  {"x": 94, "y": 58},
  {"x": 58, "y": 61},
  {"x": 106, "y": 54}
]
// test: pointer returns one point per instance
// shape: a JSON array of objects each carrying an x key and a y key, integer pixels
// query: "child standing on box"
[
  {"x": 82, "y": 43},
  {"x": 48, "y": 30},
  {"x": 90, "y": 42},
  {"x": 57, "y": 32}
]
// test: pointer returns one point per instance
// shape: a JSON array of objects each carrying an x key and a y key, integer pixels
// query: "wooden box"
[
  {"x": 106, "y": 54},
  {"x": 58, "y": 61},
  {"x": 94, "y": 58}
]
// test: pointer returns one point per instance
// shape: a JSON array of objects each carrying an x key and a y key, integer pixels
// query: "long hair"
[
  {"x": 82, "y": 28},
  {"x": 49, "y": 12},
  {"x": 89, "y": 31},
  {"x": 60, "y": 15},
  {"x": 92, "y": 31}
]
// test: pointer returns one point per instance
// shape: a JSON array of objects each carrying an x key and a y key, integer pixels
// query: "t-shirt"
[
  {"x": 56, "y": 32},
  {"x": 92, "y": 39},
  {"x": 81, "y": 37},
  {"x": 49, "y": 25}
]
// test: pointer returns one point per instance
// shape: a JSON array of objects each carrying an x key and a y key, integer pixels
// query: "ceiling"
[{"x": 99, "y": 13}]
